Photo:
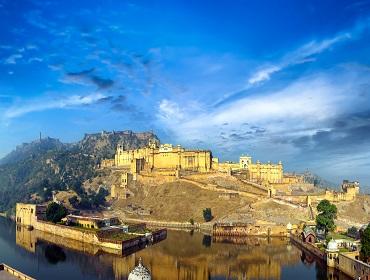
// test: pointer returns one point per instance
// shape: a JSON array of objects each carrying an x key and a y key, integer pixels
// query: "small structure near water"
[
  {"x": 116, "y": 238},
  {"x": 308, "y": 235},
  {"x": 332, "y": 253},
  {"x": 140, "y": 272},
  {"x": 345, "y": 261},
  {"x": 9, "y": 273},
  {"x": 90, "y": 222}
]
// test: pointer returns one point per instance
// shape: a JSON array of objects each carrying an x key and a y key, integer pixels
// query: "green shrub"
[
  {"x": 326, "y": 216},
  {"x": 365, "y": 244},
  {"x": 55, "y": 212},
  {"x": 207, "y": 214}
]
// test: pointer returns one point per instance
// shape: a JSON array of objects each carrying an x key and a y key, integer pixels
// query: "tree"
[
  {"x": 73, "y": 201},
  {"x": 352, "y": 232},
  {"x": 55, "y": 212},
  {"x": 365, "y": 244},
  {"x": 99, "y": 198},
  {"x": 207, "y": 214},
  {"x": 45, "y": 190},
  {"x": 326, "y": 216},
  {"x": 84, "y": 203}
]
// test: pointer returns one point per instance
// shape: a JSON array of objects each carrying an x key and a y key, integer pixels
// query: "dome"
[
  {"x": 332, "y": 245},
  {"x": 140, "y": 272}
]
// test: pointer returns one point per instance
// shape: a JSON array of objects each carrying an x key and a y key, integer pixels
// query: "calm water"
[{"x": 183, "y": 255}]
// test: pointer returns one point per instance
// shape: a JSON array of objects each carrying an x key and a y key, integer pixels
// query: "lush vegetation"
[
  {"x": 207, "y": 214},
  {"x": 365, "y": 244},
  {"x": 55, "y": 212},
  {"x": 89, "y": 201},
  {"x": 352, "y": 232},
  {"x": 326, "y": 216},
  {"x": 123, "y": 236},
  {"x": 32, "y": 171},
  {"x": 338, "y": 235}
]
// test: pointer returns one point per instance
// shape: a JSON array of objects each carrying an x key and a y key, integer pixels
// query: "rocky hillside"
[
  {"x": 33, "y": 170},
  {"x": 31, "y": 150},
  {"x": 318, "y": 181}
]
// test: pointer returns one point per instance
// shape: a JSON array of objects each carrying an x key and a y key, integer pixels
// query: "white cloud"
[
  {"x": 13, "y": 59},
  {"x": 31, "y": 47},
  {"x": 42, "y": 105},
  {"x": 170, "y": 111},
  {"x": 35, "y": 59},
  {"x": 301, "y": 108},
  {"x": 301, "y": 55},
  {"x": 264, "y": 74}
]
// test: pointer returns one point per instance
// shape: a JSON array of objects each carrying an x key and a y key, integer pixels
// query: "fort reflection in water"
[{"x": 183, "y": 255}]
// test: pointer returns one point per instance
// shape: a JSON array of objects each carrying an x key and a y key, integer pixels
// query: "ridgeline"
[{"x": 33, "y": 170}]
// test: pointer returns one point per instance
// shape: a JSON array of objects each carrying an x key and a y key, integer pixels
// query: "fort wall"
[
  {"x": 27, "y": 215},
  {"x": 13, "y": 272},
  {"x": 331, "y": 195},
  {"x": 220, "y": 229},
  {"x": 345, "y": 262},
  {"x": 348, "y": 264},
  {"x": 308, "y": 246}
]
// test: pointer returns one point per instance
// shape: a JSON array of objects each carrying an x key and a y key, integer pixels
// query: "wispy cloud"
[
  {"x": 302, "y": 108},
  {"x": 13, "y": 58},
  {"x": 263, "y": 74},
  {"x": 170, "y": 110},
  {"x": 303, "y": 54},
  {"x": 307, "y": 52},
  {"x": 48, "y": 104}
]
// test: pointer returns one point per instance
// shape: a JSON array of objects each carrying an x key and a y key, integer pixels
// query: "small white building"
[{"x": 140, "y": 272}]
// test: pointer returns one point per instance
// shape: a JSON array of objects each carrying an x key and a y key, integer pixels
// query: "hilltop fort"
[{"x": 137, "y": 175}]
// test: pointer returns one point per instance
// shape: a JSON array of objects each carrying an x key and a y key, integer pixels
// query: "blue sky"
[{"x": 279, "y": 80}]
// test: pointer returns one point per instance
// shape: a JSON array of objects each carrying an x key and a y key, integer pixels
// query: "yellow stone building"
[
  {"x": 165, "y": 156},
  {"x": 90, "y": 221},
  {"x": 119, "y": 190},
  {"x": 262, "y": 172},
  {"x": 27, "y": 214}
]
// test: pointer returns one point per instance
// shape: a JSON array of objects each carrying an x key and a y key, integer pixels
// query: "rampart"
[
  {"x": 225, "y": 229},
  {"x": 27, "y": 216},
  {"x": 308, "y": 246},
  {"x": 13, "y": 272},
  {"x": 356, "y": 269}
]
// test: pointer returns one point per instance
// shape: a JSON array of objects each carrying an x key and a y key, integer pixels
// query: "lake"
[{"x": 183, "y": 255}]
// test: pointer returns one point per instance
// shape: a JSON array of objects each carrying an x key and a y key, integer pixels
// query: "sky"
[{"x": 279, "y": 80}]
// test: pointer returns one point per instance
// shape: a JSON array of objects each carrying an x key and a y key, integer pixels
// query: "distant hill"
[
  {"x": 48, "y": 164},
  {"x": 318, "y": 181},
  {"x": 29, "y": 150}
]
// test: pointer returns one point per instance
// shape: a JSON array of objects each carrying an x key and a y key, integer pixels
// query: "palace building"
[
  {"x": 164, "y": 156},
  {"x": 262, "y": 172}
]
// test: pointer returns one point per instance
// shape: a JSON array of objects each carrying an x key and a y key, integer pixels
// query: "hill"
[
  {"x": 33, "y": 170},
  {"x": 318, "y": 181}
]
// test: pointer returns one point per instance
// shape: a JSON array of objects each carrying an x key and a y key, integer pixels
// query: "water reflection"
[
  {"x": 54, "y": 254},
  {"x": 183, "y": 255}
]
